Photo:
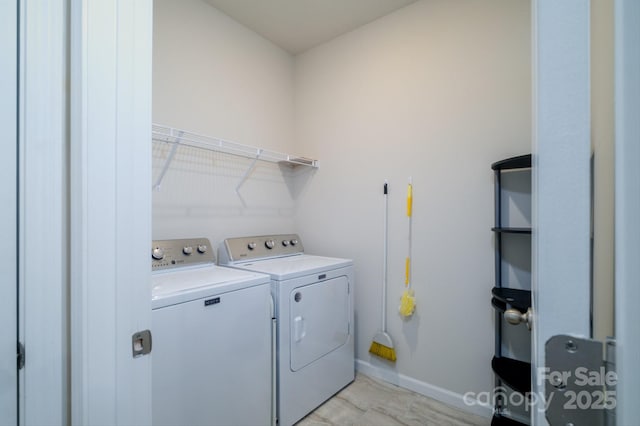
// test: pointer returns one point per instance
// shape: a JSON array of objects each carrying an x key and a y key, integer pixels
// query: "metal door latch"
[
  {"x": 141, "y": 343},
  {"x": 579, "y": 383}
]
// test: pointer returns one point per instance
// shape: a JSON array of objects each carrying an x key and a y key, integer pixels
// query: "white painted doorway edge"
[
  {"x": 561, "y": 170},
  {"x": 42, "y": 217},
  {"x": 561, "y": 75},
  {"x": 627, "y": 207},
  {"x": 110, "y": 160},
  {"x": 8, "y": 213}
]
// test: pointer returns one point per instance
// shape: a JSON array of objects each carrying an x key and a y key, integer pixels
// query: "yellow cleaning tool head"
[
  {"x": 407, "y": 303},
  {"x": 409, "y": 199},
  {"x": 382, "y": 346}
]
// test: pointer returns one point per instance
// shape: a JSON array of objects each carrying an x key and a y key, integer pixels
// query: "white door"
[
  {"x": 8, "y": 211},
  {"x": 561, "y": 194},
  {"x": 319, "y": 318}
]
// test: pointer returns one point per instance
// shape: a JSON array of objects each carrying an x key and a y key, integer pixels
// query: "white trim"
[
  {"x": 440, "y": 394},
  {"x": 110, "y": 209},
  {"x": 627, "y": 207},
  {"x": 43, "y": 212},
  {"x": 8, "y": 209},
  {"x": 78, "y": 216},
  {"x": 561, "y": 168}
]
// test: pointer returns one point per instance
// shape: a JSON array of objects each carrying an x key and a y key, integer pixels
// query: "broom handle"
[
  {"x": 410, "y": 216},
  {"x": 385, "y": 254}
]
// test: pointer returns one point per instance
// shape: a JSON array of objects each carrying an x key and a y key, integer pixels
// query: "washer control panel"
[
  {"x": 260, "y": 247},
  {"x": 167, "y": 254}
]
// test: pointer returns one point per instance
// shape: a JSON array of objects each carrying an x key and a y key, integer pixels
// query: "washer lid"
[
  {"x": 183, "y": 285},
  {"x": 284, "y": 268}
]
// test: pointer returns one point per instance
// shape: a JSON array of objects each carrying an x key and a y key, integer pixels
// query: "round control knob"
[
  {"x": 294, "y": 242},
  {"x": 269, "y": 244},
  {"x": 187, "y": 250},
  {"x": 251, "y": 245},
  {"x": 285, "y": 243},
  {"x": 202, "y": 248},
  {"x": 157, "y": 253}
]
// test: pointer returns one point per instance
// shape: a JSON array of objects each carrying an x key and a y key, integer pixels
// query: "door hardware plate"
[
  {"x": 141, "y": 343},
  {"x": 577, "y": 383}
]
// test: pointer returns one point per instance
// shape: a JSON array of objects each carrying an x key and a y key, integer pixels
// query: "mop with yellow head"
[{"x": 408, "y": 300}]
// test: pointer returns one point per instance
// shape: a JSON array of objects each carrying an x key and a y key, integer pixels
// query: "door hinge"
[
  {"x": 20, "y": 356},
  {"x": 579, "y": 381}
]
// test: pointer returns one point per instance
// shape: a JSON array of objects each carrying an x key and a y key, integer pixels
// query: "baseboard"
[{"x": 443, "y": 395}]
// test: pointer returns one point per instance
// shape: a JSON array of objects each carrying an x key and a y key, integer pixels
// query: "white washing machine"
[
  {"x": 314, "y": 313},
  {"x": 213, "y": 345}
]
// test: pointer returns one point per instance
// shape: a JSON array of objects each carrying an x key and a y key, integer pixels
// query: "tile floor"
[{"x": 370, "y": 402}]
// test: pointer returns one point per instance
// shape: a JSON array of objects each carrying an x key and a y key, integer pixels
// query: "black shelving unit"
[
  {"x": 514, "y": 373},
  {"x": 499, "y": 420},
  {"x": 512, "y": 230},
  {"x": 519, "y": 299}
]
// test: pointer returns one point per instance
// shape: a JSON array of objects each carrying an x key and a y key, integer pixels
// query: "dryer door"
[{"x": 319, "y": 320}]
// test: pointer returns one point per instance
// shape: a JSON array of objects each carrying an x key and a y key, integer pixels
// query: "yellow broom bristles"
[{"x": 383, "y": 351}]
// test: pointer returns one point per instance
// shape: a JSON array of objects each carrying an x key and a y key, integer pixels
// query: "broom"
[
  {"x": 382, "y": 345},
  {"x": 408, "y": 300}
]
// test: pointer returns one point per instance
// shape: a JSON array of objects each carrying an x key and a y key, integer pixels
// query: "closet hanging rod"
[{"x": 182, "y": 137}]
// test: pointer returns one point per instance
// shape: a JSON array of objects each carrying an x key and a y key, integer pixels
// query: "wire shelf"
[{"x": 178, "y": 137}]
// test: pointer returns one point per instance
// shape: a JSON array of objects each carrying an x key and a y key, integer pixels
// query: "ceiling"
[{"x": 298, "y": 25}]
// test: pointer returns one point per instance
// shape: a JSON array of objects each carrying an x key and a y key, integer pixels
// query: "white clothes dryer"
[
  {"x": 314, "y": 315},
  {"x": 212, "y": 357}
]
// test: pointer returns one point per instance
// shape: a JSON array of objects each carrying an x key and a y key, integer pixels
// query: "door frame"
[
  {"x": 84, "y": 234},
  {"x": 110, "y": 209},
  {"x": 561, "y": 92},
  {"x": 561, "y": 179},
  {"x": 42, "y": 211},
  {"x": 8, "y": 213},
  {"x": 627, "y": 207}
]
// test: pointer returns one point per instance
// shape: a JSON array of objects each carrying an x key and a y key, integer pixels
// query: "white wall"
[
  {"x": 215, "y": 77},
  {"x": 438, "y": 90}
]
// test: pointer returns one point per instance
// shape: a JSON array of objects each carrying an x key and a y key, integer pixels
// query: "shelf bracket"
[
  {"x": 167, "y": 163},
  {"x": 249, "y": 170}
]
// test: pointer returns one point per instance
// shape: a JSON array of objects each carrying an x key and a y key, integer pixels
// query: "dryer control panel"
[
  {"x": 260, "y": 247},
  {"x": 168, "y": 254}
]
